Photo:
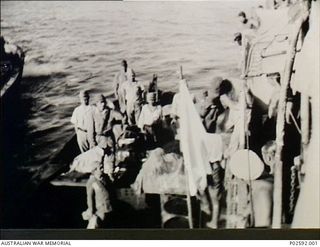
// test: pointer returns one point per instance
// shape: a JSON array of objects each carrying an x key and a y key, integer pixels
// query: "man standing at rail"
[
  {"x": 134, "y": 91},
  {"x": 80, "y": 120},
  {"x": 120, "y": 78},
  {"x": 100, "y": 122}
]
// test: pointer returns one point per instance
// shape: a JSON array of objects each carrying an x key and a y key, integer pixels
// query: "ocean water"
[{"x": 74, "y": 45}]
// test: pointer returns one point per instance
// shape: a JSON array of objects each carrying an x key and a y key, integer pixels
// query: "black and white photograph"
[{"x": 160, "y": 115}]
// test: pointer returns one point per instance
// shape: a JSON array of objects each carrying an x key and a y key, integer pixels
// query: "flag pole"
[
  {"x": 188, "y": 200},
  {"x": 181, "y": 73},
  {"x": 189, "y": 205}
]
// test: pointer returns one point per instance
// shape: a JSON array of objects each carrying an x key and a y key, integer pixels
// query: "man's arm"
[
  {"x": 91, "y": 130},
  {"x": 90, "y": 196},
  {"x": 227, "y": 102},
  {"x": 74, "y": 116},
  {"x": 116, "y": 84},
  {"x": 141, "y": 119},
  {"x": 108, "y": 165}
]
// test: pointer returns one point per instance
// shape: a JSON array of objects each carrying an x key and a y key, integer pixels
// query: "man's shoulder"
[
  {"x": 93, "y": 152},
  {"x": 126, "y": 84},
  {"x": 145, "y": 107},
  {"x": 141, "y": 84},
  {"x": 93, "y": 110},
  {"x": 90, "y": 108},
  {"x": 83, "y": 108},
  {"x": 75, "y": 114},
  {"x": 116, "y": 114},
  {"x": 78, "y": 108}
]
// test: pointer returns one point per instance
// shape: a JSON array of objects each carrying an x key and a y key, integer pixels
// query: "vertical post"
[
  {"x": 189, "y": 206},
  {"x": 305, "y": 122},
  {"x": 155, "y": 80},
  {"x": 181, "y": 73},
  {"x": 285, "y": 80}
]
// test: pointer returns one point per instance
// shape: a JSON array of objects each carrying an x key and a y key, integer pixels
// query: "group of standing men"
[{"x": 98, "y": 128}]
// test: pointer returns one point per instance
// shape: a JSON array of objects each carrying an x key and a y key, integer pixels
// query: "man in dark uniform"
[
  {"x": 99, "y": 185},
  {"x": 101, "y": 121}
]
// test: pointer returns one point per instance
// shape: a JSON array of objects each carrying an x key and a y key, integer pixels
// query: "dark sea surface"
[{"x": 79, "y": 45}]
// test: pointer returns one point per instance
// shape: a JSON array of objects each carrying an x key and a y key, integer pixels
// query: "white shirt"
[
  {"x": 131, "y": 90},
  {"x": 121, "y": 77},
  {"x": 91, "y": 159},
  {"x": 80, "y": 116},
  {"x": 149, "y": 115}
]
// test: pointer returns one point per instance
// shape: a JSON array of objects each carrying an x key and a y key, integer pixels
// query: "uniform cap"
[
  {"x": 84, "y": 93},
  {"x": 101, "y": 98},
  {"x": 151, "y": 97}
]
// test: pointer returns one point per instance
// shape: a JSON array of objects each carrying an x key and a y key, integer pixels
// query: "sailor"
[
  {"x": 238, "y": 39},
  {"x": 102, "y": 154},
  {"x": 212, "y": 111},
  {"x": 80, "y": 120},
  {"x": 243, "y": 20},
  {"x": 166, "y": 134},
  {"x": 150, "y": 118},
  {"x": 212, "y": 107},
  {"x": 153, "y": 85},
  {"x": 119, "y": 79},
  {"x": 248, "y": 28},
  {"x": 133, "y": 91},
  {"x": 98, "y": 200},
  {"x": 101, "y": 121},
  {"x": 99, "y": 186}
]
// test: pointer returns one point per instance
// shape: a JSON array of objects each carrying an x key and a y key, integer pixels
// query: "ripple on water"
[{"x": 73, "y": 46}]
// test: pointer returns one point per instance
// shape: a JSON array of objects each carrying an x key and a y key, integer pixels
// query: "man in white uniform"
[
  {"x": 150, "y": 118},
  {"x": 80, "y": 120},
  {"x": 120, "y": 78},
  {"x": 134, "y": 91}
]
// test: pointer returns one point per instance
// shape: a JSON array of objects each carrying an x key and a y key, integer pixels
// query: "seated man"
[
  {"x": 130, "y": 151},
  {"x": 102, "y": 154},
  {"x": 98, "y": 199},
  {"x": 99, "y": 161}
]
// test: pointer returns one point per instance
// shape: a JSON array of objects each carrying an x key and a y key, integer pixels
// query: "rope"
[
  {"x": 249, "y": 169},
  {"x": 292, "y": 189},
  {"x": 295, "y": 122}
]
